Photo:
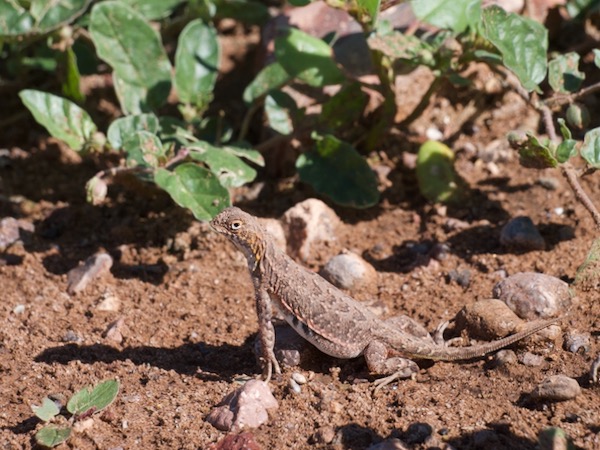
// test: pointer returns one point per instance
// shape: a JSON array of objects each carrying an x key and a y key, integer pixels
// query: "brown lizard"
[{"x": 331, "y": 320}]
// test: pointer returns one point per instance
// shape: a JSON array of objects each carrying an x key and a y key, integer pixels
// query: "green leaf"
[
  {"x": 522, "y": 42},
  {"x": 251, "y": 155},
  {"x": 133, "y": 48},
  {"x": 120, "y": 129},
  {"x": 596, "y": 57},
  {"x": 563, "y": 73},
  {"x": 345, "y": 107},
  {"x": 566, "y": 149},
  {"x": 132, "y": 98},
  {"x": 42, "y": 17},
  {"x": 278, "y": 109},
  {"x": 438, "y": 181},
  {"x": 46, "y": 411},
  {"x": 408, "y": 48},
  {"x": 51, "y": 436},
  {"x": 231, "y": 170},
  {"x": 70, "y": 86},
  {"x": 196, "y": 63},
  {"x": 533, "y": 154},
  {"x": 269, "y": 78},
  {"x": 144, "y": 149},
  {"x": 564, "y": 129},
  {"x": 153, "y": 9},
  {"x": 367, "y": 11},
  {"x": 307, "y": 58},
  {"x": 299, "y": 2},
  {"x": 335, "y": 169},
  {"x": 455, "y": 15},
  {"x": 63, "y": 119},
  {"x": 195, "y": 188},
  {"x": 590, "y": 150},
  {"x": 93, "y": 400}
]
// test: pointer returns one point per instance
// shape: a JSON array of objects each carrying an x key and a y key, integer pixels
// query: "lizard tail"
[{"x": 476, "y": 351}]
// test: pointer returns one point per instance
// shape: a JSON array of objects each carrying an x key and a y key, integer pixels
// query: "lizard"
[{"x": 328, "y": 318}]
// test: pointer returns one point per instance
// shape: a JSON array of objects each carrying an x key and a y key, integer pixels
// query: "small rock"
[
  {"x": 275, "y": 229},
  {"x": 576, "y": 342},
  {"x": 389, "y": 444},
  {"x": 242, "y": 441},
  {"x": 324, "y": 435},
  {"x": 520, "y": 233},
  {"x": 533, "y": 295},
  {"x": 349, "y": 271},
  {"x": 289, "y": 346},
  {"x": 488, "y": 319},
  {"x": 557, "y": 388},
  {"x": 245, "y": 407},
  {"x": 505, "y": 358},
  {"x": 531, "y": 360},
  {"x": 299, "y": 378},
  {"x": 9, "y": 232},
  {"x": 308, "y": 222},
  {"x": 549, "y": 183},
  {"x": 594, "y": 369},
  {"x": 70, "y": 336},
  {"x": 114, "y": 331},
  {"x": 109, "y": 302},
  {"x": 460, "y": 277},
  {"x": 19, "y": 309},
  {"x": 95, "y": 266},
  {"x": 452, "y": 224},
  {"x": 295, "y": 387},
  {"x": 83, "y": 425}
]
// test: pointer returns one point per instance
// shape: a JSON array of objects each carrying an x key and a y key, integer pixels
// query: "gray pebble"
[
  {"x": 557, "y": 388},
  {"x": 576, "y": 342},
  {"x": 9, "y": 232},
  {"x": 70, "y": 336},
  {"x": 299, "y": 378},
  {"x": 461, "y": 277},
  {"x": 520, "y": 233},
  {"x": 549, "y": 183},
  {"x": 533, "y": 295},
  {"x": 294, "y": 386},
  {"x": 349, "y": 271},
  {"x": 505, "y": 358},
  {"x": 531, "y": 360}
]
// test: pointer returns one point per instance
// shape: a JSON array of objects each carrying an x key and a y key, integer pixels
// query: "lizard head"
[{"x": 244, "y": 231}]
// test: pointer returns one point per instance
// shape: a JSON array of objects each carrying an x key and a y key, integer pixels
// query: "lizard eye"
[{"x": 236, "y": 225}]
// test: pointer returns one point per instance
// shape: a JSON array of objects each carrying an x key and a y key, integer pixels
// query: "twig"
[
  {"x": 563, "y": 99},
  {"x": 570, "y": 173}
]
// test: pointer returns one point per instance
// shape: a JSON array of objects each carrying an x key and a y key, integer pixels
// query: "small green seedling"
[{"x": 82, "y": 404}]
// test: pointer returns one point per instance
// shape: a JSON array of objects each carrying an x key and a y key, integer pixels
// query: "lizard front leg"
[
  {"x": 266, "y": 333},
  {"x": 380, "y": 362}
]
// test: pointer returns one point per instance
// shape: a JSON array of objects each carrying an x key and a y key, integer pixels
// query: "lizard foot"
[
  {"x": 270, "y": 365},
  {"x": 379, "y": 383}
]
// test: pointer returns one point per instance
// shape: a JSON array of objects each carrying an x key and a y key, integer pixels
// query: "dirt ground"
[{"x": 189, "y": 322}]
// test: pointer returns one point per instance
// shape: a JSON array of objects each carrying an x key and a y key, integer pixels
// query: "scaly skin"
[{"x": 331, "y": 320}]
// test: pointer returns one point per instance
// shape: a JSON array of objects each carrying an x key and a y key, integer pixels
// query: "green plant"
[
  {"x": 82, "y": 404},
  {"x": 193, "y": 159}
]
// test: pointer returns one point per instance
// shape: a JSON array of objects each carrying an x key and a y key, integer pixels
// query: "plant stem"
[
  {"x": 563, "y": 99},
  {"x": 570, "y": 173}
]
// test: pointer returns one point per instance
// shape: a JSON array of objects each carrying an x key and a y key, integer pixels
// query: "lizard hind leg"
[{"x": 379, "y": 362}]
